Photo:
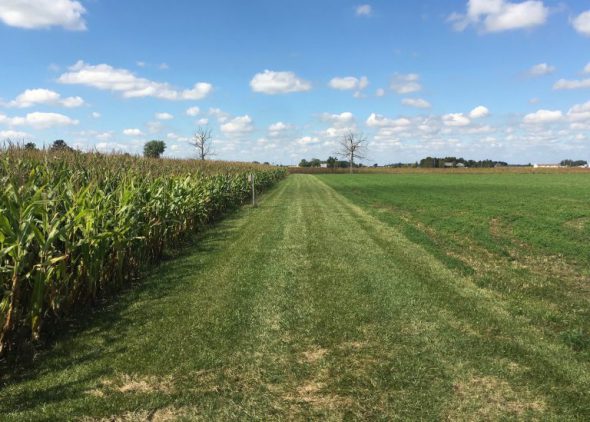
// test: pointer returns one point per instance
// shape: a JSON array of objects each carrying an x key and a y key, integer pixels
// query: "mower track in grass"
[{"x": 305, "y": 307}]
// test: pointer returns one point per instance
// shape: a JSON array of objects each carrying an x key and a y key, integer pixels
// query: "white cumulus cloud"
[
  {"x": 219, "y": 114},
  {"x": 349, "y": 83},
  {"x": 479, "y": 112},
  {"x": 238, "y": 125},
  {"x": 132, "y": 132},
  {"x": 364, "y": 10},
  {"x": 271, "y": 82},
  {"x": 541, "y": 69},
  {"x": 406, "y": 84},
  {"x": 278, "y": 126},
  {"x": 581, "y": 23},
  {"x": 31, "y": 97},
  {"x": 39, "y": 120},
  {"x": 36, "y": 14},
  {"x": 13, "y": 135},
  {"x": 193, "y": 111},
  {"x": 71, "y": 102},
  {"x": 276, "y": 129},
  {"x": 579, "y": 112},
  {"x": 543, "y": 116},
  {"x": 164, "y": 116},
  {"x": 455, "y": 119},
  {"x": 110, "y": 147},
  {"x": 501, "y": 15},
  {"x": 307, "y": 140},
  {"x": 416, "y": 102},
  {"x": 106, "y": 77},
  {"x": 339, "y": 120},
  {"x": 377, "y": 120},
  {"x": 571, "y": 84}
]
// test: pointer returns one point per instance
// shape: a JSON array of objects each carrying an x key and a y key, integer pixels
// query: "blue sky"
[{"x": 279, "y": 81}]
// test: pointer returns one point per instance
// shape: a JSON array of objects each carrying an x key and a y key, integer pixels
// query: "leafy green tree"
[
  {"x": 60, "y": 145},
  {"x": 573, "y": 163},
  {"x": 331, "y": 162},
  {"x": 154, "y": 148},
  {"x": 428, "y": 162},
  {"x": 315, "y": 162},
  {"x": 30, "y": 146}
]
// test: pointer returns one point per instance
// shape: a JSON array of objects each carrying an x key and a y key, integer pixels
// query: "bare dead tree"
[
  {"x": 202, "y": 142},
  {"x": 352, "y": 145}
]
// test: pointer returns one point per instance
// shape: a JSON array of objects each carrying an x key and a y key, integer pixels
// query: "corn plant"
[{"x": 73, "y": 226}]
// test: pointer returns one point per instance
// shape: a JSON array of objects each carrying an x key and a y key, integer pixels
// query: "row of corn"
[{"x": 73, "y": 226}]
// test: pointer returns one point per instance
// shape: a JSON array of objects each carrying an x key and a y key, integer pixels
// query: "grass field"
[{"x": 460, "y": 297}]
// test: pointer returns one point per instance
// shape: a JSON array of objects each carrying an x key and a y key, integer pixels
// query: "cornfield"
[{"x": 75, "y": 225}]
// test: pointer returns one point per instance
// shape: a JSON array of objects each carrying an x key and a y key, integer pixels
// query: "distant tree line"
[
  {"x": 434, "y": 162},
  {"x": 428, "y": 162},
  {"x": 402, "y": 165},
  {"x": 330, "y": 162},
  {"x": 57, "y": 145},
  {"x": 573, "y": 163}
]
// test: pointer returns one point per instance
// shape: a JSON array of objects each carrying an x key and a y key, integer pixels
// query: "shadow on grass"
[{"x": 109, "y": 321}]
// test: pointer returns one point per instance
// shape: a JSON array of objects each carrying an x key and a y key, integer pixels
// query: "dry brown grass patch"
[
  {"x": 458, "y": 324},
  {"x": 496, "y": 228},
  {"x": 416, "y": 327},
  {"x": 490, "y": 398},
  {"x": 312, "y": 393},
  {"x": 146, "y": 384},
  {"x": 577, "y": 224},
  {"x": 160, "y": 415},
  {"x": 354, "y": 345},
  {"x": 313, "y": 355},
  {"x": 205, "y": 381},
  {"x": 133, "y": 384}
]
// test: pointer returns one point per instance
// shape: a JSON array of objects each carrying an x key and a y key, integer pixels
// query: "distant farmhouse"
[
  {"x": 564, "y": 163},
  {"x": 457, "y": 165}
]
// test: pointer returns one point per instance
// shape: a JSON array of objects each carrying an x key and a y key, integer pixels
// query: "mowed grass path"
[{"x": 307, "y": 306}]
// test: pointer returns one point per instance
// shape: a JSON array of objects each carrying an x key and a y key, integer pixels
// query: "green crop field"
[{"x": 370, "y": 296}]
